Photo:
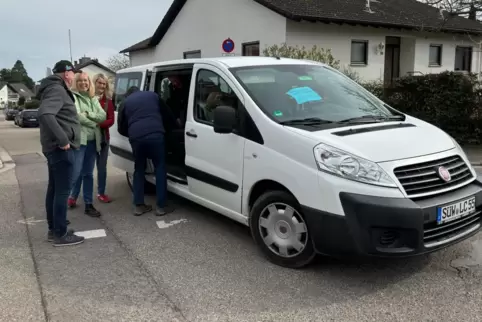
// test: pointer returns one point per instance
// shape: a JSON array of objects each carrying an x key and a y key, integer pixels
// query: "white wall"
[
  {"x": 3, "y": 96},
  {"x": 93, "y": 70},
  {"x": 449, "y": 44},
  {"x": 203, "y": 25},
  {"x": 414, "y": 54}
]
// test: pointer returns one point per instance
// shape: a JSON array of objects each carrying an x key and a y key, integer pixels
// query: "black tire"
[
  {"x": 149, "y": 188},
  {"x": 300, "y": 260}
]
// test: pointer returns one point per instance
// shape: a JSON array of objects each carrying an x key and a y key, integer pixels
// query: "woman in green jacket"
[{"x": 90, "y": 114}]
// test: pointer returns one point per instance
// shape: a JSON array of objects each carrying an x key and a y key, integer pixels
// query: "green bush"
[
  {"x": 449, "y": 100},
  {"x": 31, "y": 105},
  {"x": 315, "y": 53}
]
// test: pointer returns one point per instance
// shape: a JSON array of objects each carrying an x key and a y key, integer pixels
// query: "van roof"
[{"x": 229, "y": 62}]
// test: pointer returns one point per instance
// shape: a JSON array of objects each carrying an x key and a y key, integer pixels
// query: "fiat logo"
[{"x": 444, "y": 174}]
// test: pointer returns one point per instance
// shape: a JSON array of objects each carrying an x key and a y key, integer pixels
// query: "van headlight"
[{"x": 346, "y": 165}]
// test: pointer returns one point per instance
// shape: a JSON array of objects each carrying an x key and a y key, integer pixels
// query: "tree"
[
  {"x": 315, "y": 53},
  {"x": 6, "y": 75},
  {"x": 470, "y": 9},
  {"x": 118, "y": 62},
  {"x": 21, "y": 101},
  {"x": 19, "y": 75}
]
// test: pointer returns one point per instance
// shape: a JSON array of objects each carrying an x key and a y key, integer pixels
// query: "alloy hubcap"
[{"x": 283, "y": 230}]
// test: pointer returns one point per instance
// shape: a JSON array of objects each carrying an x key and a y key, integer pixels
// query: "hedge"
[{"x": 451, "y": 101}]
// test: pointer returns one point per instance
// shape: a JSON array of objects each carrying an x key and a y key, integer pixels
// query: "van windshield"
[{"x": 291, "y": 93}]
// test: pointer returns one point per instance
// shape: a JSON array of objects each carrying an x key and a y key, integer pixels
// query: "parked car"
[
  {"x": 10, "y": 114},
  {"x": 308, "y": 159},
  {"x": 27, "y": 118}
]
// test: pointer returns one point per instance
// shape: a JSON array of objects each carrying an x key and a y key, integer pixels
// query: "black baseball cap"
[{"x": 64, "y": 66}]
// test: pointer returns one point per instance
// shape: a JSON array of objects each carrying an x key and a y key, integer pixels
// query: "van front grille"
[
  {"x": 423, "y": 178},
  {"x": 435, "y": 234}
]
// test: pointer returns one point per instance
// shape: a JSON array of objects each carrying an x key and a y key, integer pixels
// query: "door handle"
[{"x": 191, "y": 133}]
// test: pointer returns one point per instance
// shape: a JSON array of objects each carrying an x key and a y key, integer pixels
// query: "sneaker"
[
  {"x": 162, "y": 211},
  {"x": 69, "y": 239},
  {"x": 104, "y": 198},
  {"x": 50, "y": 235},
  {"x": 142, "y": 209},
  {"x": 71, "y": 202},
  {"x": 91, "y": 211}
]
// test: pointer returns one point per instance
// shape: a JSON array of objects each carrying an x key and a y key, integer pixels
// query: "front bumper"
[
  {"x": 30, "y": 123},
  {"x": 388, "y": 227}
]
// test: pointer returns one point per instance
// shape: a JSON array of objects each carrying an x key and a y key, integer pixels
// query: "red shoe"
[
  {"x": 71, "y": 202},
  {"x": 104, "y": 198}
]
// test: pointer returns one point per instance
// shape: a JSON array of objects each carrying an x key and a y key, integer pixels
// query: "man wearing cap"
[{"x": 59, "y": 135}]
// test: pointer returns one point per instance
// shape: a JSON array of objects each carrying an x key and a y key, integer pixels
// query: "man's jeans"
[
  {"x": 60, "y": 165},
  {"x": 84, "y": 172},
  {"x": 102, "y": 168},
  {"x": 149, "y": 147}
]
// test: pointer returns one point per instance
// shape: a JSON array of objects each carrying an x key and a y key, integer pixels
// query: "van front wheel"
[
  {"x": 280, "y": 230},
  {"x": 149, "y": 188}
]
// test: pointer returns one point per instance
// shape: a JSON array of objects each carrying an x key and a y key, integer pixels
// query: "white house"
[
  {"x": 92, "y": 67},
  {"x": 379, "y": 39},
  {"x": 11, "y": 93}
]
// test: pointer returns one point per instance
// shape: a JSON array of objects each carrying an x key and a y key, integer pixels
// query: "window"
[
  {"x": 435, "y": 55},
  {"x": 122, "y": 83},
  {"x": 299, "y": 92},
  {"x": 251, "y": 49},
  {"x": 192, "y": 54},
  {"x": 211, "y": 92},
  {"x": 463, "y": 58},
  {"x": 359, "y": 52}
]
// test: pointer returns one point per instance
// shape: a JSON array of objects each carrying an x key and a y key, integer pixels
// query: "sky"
[{"x": 36, "y": 31}]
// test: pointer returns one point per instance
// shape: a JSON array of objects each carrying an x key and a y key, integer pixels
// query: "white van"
[{"x": 308, "y": 159}]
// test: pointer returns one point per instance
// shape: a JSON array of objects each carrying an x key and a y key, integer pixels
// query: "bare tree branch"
[{"x": 118, "y": 62}]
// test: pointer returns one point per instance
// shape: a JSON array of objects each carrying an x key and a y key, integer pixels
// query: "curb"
[
  {"x": 4, "y": 156},
  {"x": 6, "y": 161}
]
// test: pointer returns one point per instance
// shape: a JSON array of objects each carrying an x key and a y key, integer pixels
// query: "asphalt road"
[{"x": 195, "y": 265}]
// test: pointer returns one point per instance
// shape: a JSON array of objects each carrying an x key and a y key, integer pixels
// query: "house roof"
[
  {"x": 21, "y": 90},
  {"x": 409, "y": 14},
  {"x": 96, "y": 63},
  {"x": 406, "y": 14}
]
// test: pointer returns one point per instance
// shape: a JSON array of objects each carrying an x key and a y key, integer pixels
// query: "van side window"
[
  {"x": 122, "y": 83},
  {"x": 212, "y": 91}
]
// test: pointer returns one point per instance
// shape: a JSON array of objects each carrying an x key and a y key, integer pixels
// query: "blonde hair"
[
  {"x": 108, "y": 87},
  {"x": 91, "y": 91}
]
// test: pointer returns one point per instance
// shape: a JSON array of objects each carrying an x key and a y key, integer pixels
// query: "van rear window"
[{"x": 123, "y": 82}]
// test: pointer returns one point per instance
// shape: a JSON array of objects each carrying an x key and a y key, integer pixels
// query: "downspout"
[{"x": 478, "y": 60}]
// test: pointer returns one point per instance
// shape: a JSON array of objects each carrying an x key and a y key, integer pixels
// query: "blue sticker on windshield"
[{"x": 303, "y": 95}]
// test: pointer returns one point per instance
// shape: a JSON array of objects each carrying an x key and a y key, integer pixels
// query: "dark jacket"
[
  {"x": 144, "y": 113},
  {"x": 57, "y": 115}
]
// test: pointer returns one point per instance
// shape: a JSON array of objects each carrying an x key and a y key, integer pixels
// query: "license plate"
[
  {"x": 456, "y": 210},
  {"x": 32, "y": 119}
]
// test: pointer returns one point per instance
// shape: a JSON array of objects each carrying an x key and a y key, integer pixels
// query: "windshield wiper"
[
  {"x": 372, "y": 119},
  {"x": 306, "y": 121}
]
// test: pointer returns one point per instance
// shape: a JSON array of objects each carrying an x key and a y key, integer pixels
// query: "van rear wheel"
[
  {"x": 149, "y": 188},
  {"x": 280, "y": 230}
]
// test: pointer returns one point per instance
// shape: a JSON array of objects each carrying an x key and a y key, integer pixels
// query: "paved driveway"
[{"x": 195, "y": 265}]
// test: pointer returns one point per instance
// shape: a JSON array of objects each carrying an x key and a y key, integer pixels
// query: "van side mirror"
[{"x": 224, "y": 119}]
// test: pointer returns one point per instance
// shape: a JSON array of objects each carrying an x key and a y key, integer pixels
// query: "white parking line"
[
  {"x": 96, "y": 233},
  {"x": 162, "y": 224}
]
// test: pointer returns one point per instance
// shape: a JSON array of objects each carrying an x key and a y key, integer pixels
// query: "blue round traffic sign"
[{"x": 228, "y": 45}]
